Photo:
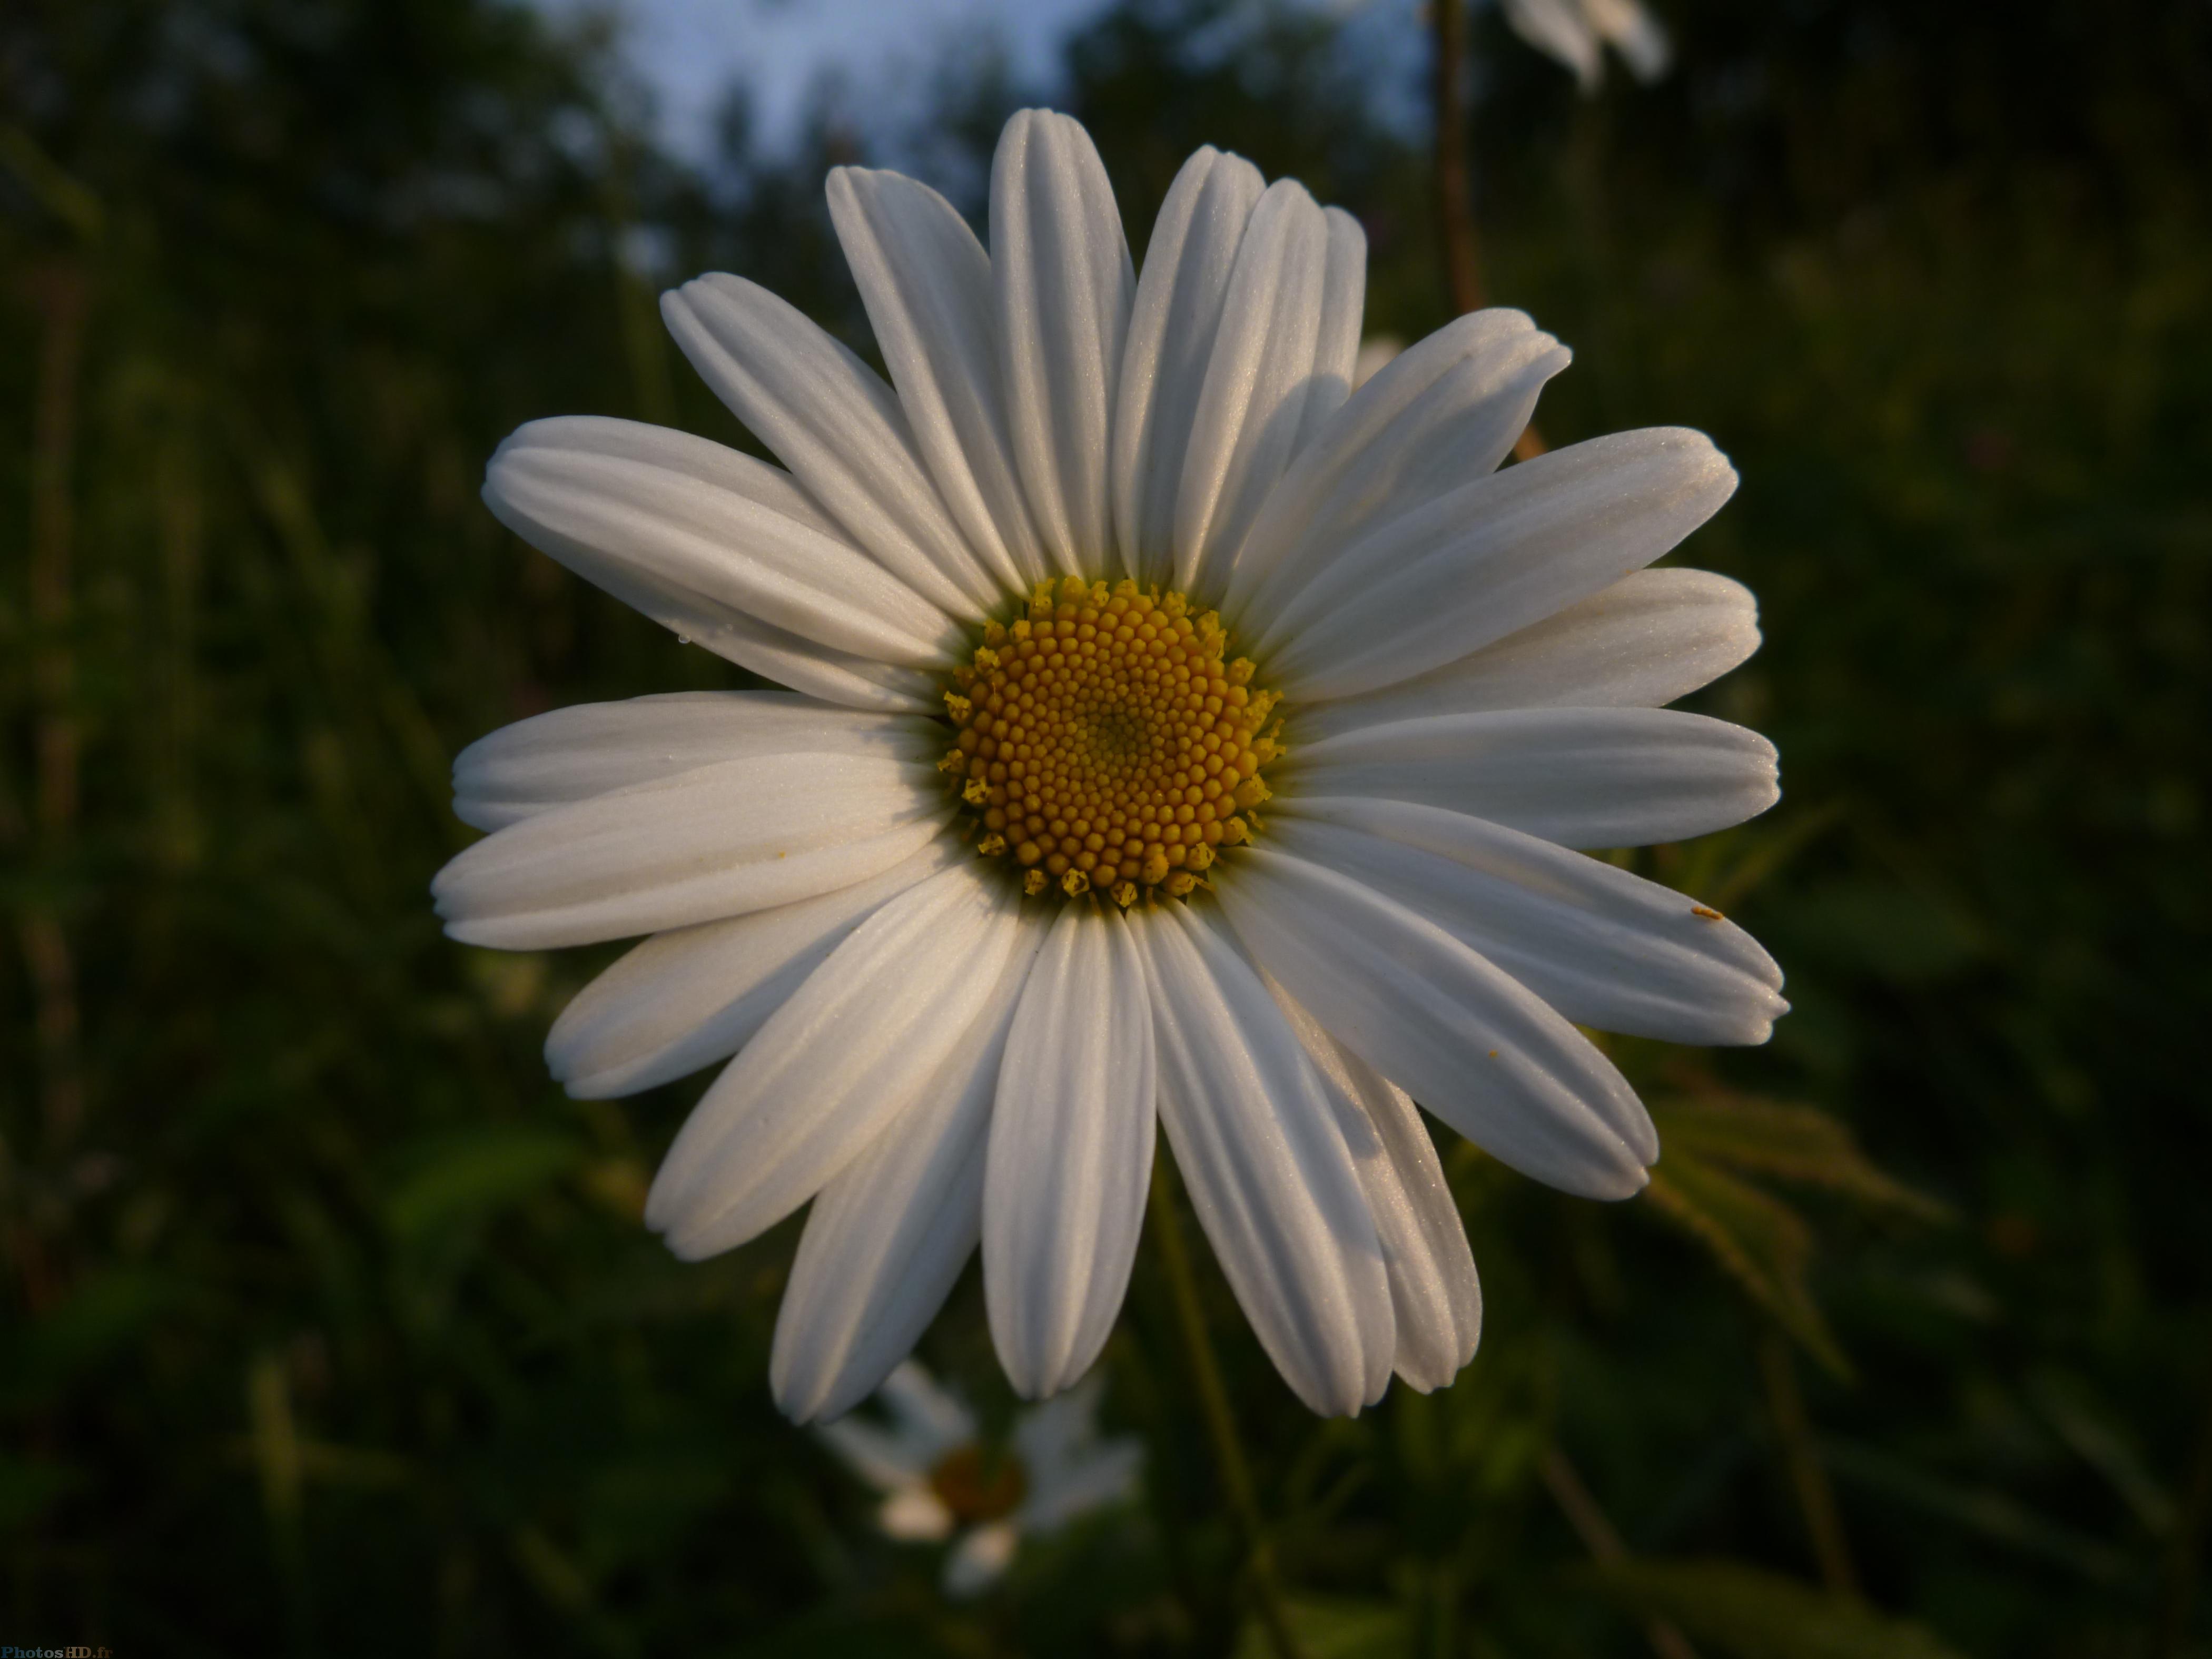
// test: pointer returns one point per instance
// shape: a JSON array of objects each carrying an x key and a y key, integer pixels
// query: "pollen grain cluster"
[{"x": 1105, "y": 742}]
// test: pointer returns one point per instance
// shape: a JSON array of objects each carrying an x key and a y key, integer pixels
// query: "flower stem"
[
  {"x": 1220, "y": 1420},
  {"x": 1455, "y": 210},
  {"x": 1816, "y": 1498},
  {"x": 1596, "y": 1528},
  {"x": 1456, "y": 239}
]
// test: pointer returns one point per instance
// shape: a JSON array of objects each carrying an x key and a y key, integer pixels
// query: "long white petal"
[
  {"x": 1264, "y": 1157},
  {"x": 691, "y": 996},
  {"x": 1604, "y": 947},
  {"x": 678, "y": 604},
  {"x": 701, "y": 518},
  {"x": 572, "y": 754},
  {"x": 830, "y": 419},
  {"x": 1475, "y": 1047},
  {"x": 1434, "y": 1291},
  {"x": 1641, "y": 643},
  {"x": 853, "y": 1047},
  {"x": 887, "y": 1237},
  {"x": 927, "y": 283},
  {"x": 1171, "y": 331},
  {"x": 929, "y": 1417},
  {"x": 1343, "y": 312},
  {"x": 1253, "y": 402},
  {"x": 1582, "y": 777},
  {"x": 850, "y": 681},
  {"x": 716, "y": 842},
  {"x": 1431, "y": 419},
  {"x": 1492, "y": 557},
  {"x": 1071, "y": 1155},
  {"x": 1061, "y": 271}
]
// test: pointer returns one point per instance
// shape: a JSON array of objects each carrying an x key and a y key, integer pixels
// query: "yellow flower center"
[
  {"x": 978, "y": 1486},
  {"x": 1105, "y": 742}
]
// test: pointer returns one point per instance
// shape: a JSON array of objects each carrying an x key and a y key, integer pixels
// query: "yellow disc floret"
[{"x": 1106, "y": 742}]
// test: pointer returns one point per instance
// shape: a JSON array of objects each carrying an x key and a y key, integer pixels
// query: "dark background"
[{"x": 328, "y": 1324}]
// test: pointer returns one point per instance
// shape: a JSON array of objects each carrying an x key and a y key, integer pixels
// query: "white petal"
[
  {"x": 930, "y": 1419},
  {"x": 718, "y": 841},
  {"x": 1253, "y": 402},
  {"x": 573, "y": 754},
  {"x": 775, "y": 653},
  {"x": 846, "y": 1055},
  {"x": 1582, "y": 777},
  {"x": 1507, "y": 551},
  {"x": 878, "y": 1455},
  {"x": 1479, "y": 1050},
  {"x": 1072, "y": 1471},
  {"x": 887, "y": 1238},
  {"x": 927, "y": 283},
  {"x": 1172, "y": 331},
  {"x": 691, "y": 996},
  {"x": 978, "y": 1559},
  {"x": 1071, "y": 1155},
  {"x": 829, "y": 418},
  {"x": 1641, "y": 643},
  {"x": 695, "y": 516},
  {"x": 1269, "y": 1171},
  {"x": 1052, "y": 1434},
  {"x": 1343, "y": 309},
  {"x": 1429, "y": 420},
  {"x": 1603, "y": 947},
  {"x": 838, "y": 676},
  {"x": 1634, "y": 33},
  {"x": 1063, "y": 279},
  {"x": 1558, "y": 29},
  {"x": 914, "y": 1515},
  {"x": 1434, "y": 1291}
]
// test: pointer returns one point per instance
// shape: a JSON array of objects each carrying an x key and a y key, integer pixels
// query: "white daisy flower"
[
  {"x": 1174, "y": 739},
  {"x": 1576, "y": 33},
  {"x": 938, "y": 1477}
]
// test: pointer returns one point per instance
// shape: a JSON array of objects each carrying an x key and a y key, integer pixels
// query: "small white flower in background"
[
  {"x": 1111, "y": 564},
  {"x": 1576, "y": 33},
  {"x": 941, "y": 1480}
]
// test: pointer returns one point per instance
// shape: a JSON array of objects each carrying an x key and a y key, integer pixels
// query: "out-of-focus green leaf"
[
  {"x": 1333, "y": 1628},
  {"x": 1749, "y": 1614},
  {"x": 1790, "y": 1143},
  {"x": 1992, "y": 1515},
  {"x": 1888, "y": 932},
  {"x": 28, "y": 1485},
  {"x": 1713, "y": 1142},
  {"x": 468, "y": 1175},
  {"x": 101, "y": 1318},
  {"x": 1765, "y": 1245}
]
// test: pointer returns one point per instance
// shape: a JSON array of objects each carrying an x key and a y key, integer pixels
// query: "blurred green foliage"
[{"x": 330, "y": 1325}]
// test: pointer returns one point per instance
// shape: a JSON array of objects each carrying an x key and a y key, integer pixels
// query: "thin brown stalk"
[
  {"x": 645, "y": 343},
  {"x": 1457, "y": 240},
  {"x": 2187, "y": 1556},
  {"x": 1455, "y": 229},
  {"x": 58, "y": 293},
  {"x": 1220, "y": 1419},
  {"x": 1809, "y": 1476},
  {"x": 1600, "y": 1538}
]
